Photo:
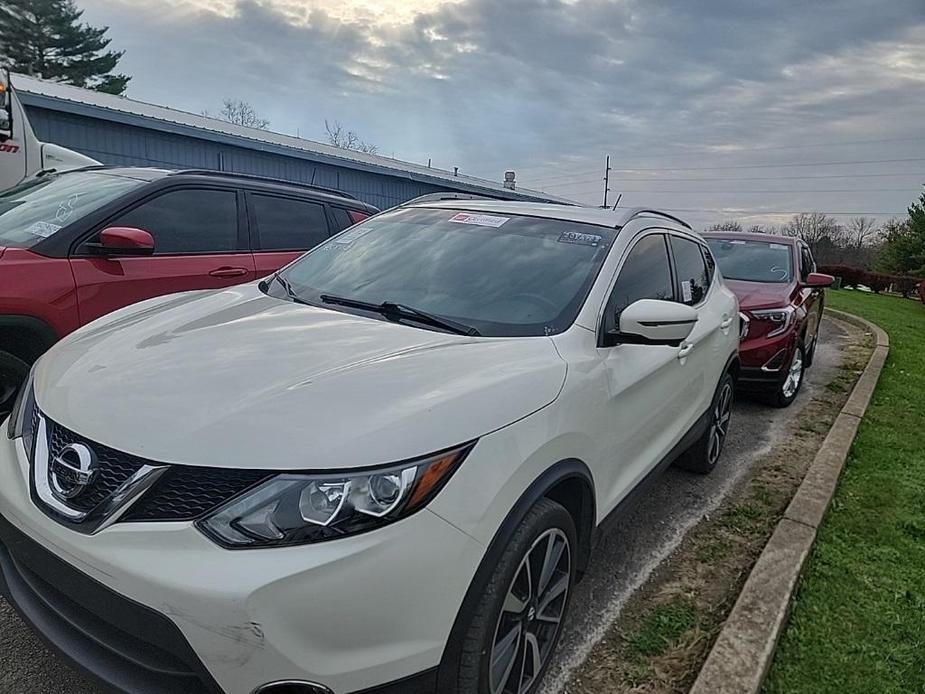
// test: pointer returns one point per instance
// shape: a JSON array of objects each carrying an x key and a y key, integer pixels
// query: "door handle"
[
  {"x": 726, "y": 323},
  {"x": 229, "y": 272},
  {"x": 686, "y": 349}
]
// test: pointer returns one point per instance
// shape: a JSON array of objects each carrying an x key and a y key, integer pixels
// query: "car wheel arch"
[
  {"x": 25, "y": 337},
  {"x": 568, "y": 482}
]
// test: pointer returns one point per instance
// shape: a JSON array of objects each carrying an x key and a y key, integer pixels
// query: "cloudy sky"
[{"x": 720, "y": 109}]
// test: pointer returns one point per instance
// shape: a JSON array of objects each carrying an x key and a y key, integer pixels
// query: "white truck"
[{"x": 21, "y": 154}]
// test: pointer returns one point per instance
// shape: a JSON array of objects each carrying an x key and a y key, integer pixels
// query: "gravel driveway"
[{"x": 647, "y": 535}]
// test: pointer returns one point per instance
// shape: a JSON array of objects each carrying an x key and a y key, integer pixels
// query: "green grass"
[
  {"x": 858, "y": 621},
  {"x": 663, "y": 627}
]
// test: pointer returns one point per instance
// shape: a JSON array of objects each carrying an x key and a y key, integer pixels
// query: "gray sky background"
[{"x": 756, "y": 100}]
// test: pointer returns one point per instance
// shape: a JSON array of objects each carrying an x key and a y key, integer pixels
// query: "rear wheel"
[
  {"x": 703, "y": 455},
  {"x": 517, "y": 622},
  {"x": 13, "y": 372}
]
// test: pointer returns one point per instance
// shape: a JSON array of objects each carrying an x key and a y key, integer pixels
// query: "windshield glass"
[
  {"x": 504, "y": 275},
  {"x": 753, "y": 261},
  {"x": 36, "y": 209}
]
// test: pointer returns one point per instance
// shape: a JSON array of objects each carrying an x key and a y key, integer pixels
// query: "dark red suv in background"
[
  {"x": 781, "y": 298},
  {"x": 77, "y": 245}
]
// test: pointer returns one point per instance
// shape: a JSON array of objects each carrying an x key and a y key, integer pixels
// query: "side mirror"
[
  {"x": 654, "y": 322},
  {"x": 818, "y": 279},
  {"x": 123, "y": 241}
]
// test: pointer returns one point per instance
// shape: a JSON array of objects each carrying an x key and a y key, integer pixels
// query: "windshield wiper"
[{"x": 390, "y": 308}]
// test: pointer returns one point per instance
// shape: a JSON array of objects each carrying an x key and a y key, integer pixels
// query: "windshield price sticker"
[
  {"x": 482, "y": 220},
  {"x": 43, "y": 229},
  {"x": 580, "y": 238}
]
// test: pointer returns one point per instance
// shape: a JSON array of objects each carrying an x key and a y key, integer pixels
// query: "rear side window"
[
  {"x": 646, "y": 274},
  {"x": 341, "y": 218},
  {"x": 693, "y": 274},
  {"x": 285, "y": 224},
  {"x": 187, "y": 221}
]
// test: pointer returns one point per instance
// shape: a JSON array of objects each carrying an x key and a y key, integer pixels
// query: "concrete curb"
[{"x": 742, "y": 654}]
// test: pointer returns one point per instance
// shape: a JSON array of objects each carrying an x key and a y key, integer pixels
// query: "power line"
[
  {"x": 740, "y": 166},
  {"x": 751, "y": 178}
]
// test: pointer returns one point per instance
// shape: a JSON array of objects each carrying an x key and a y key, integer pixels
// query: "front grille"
[
  {"x": 184, "y": 492},
  {"x": 114, "y": 467}
]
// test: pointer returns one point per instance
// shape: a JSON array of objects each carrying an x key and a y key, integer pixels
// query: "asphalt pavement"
[{"x": 645, "y": 537}]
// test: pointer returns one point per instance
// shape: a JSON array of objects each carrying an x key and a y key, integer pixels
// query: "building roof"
[
  {"x": 613, "y": 218},
  {"x": 64, "y": 97}
]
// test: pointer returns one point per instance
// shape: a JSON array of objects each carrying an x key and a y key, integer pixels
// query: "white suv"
[{"x": 380, "y": 470}]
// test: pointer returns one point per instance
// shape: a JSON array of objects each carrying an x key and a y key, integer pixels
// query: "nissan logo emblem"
[{"x": 72, "y": 470}]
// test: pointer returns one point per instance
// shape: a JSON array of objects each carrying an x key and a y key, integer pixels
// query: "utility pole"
[{"x": 606, "y": 180}]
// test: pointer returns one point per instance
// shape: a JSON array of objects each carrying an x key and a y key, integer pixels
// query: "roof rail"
[
  {"x": 266, "y": 179},
  {"x": 448, "y": 195},
  {"x": 633, "y": 212}
]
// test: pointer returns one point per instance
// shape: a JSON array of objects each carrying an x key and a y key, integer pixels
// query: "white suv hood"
[{"x": 240, "y": 379}]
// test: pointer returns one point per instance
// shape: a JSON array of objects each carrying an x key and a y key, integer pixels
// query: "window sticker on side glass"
[
  {"x": 579, "y": 238},
  {"x": 482, "y": 220},
  {"x": 352, "y": 235},
  {"x": 687, "y": 293},
  {"x": 43, "y": 229}
]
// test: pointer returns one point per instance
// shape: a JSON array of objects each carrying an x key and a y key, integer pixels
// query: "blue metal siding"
[{"x": 117, "y": 143}]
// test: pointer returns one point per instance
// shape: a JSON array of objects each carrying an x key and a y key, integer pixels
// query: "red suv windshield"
[
  {"x": 36, "y": 209},
  {"x": 753, "y": 261}
]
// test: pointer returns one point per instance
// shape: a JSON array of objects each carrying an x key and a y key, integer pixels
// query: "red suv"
[
  {"x": 781, "y": 298},
  {"x": 77, "y": 245}
]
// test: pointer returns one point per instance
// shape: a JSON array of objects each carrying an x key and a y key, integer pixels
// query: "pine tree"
[{"x": 45, "y": 38}]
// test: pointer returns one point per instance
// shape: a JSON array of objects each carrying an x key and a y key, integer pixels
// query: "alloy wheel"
[
  {"x": 719, "y": 426},
  {"x": 794, "y": 375},
  {"x": 531, "y": 615}
]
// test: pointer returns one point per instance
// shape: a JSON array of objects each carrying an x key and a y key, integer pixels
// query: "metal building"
[{"x": 117, "y": 130}]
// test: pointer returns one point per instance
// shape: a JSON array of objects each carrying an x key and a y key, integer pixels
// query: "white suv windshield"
[
  {"x": 39, "y": 207},
  {"x": 504, "y": 275}
]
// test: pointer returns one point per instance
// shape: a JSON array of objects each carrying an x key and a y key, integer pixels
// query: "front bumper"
[
  {"x": 155, "y": 607},
  {"x": 764, "y": 360}
]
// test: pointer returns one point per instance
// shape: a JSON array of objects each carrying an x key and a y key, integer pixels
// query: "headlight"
[
  {"x": 295, "y": 509},
  {"x": 21, "y": 421},
  {"x": 780, "y": 317},
  {"x": 744, "y": 322}
]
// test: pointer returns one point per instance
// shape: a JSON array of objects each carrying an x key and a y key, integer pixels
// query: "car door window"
[
  {"x": 187, "y": 221},
  {"x": 693, "y": 273},
  {"x": 646, "y": 274},
  {"x": 285, "y": 224},
  {"x": 341, "y": 218},
  {"x": 807, "y": 265}
]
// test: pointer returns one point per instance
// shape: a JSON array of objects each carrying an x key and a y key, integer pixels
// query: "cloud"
[{"x": 549, "y": 86}]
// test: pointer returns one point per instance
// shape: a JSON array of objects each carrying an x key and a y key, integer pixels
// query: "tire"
[
  {"x": 508, "y": 620},
  {"x": 811, "y": 352},
  {"x": 786, "y": 391},
  {"x": 13, "y": 372},
  {"x": 702, "y": 456}
]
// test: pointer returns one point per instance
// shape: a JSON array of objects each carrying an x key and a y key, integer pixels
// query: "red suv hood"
[{"x": 754, "y": 295}]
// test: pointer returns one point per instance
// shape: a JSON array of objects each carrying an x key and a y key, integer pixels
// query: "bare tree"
[
  {"x": 239, "y": 112},
  {"x": 762, "y": 229},
  {"x": 339, "y": 136},
  {"x": 861, "y": 232},
  {"x": 816, "y": 229},
  {"x": 728, "y": 225}
]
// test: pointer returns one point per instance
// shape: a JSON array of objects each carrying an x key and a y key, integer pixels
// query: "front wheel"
[
  {"x": 516, "y": 624},
  {"x": 787, "y": 389}
]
